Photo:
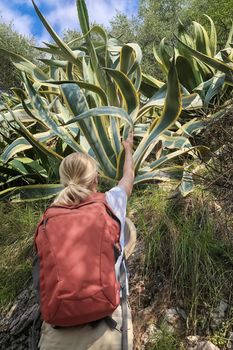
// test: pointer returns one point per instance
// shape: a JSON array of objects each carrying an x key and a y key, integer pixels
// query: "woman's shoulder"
[{"x": 116, "y": 190}]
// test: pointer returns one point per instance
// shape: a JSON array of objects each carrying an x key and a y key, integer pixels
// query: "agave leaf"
[
  {"x": 184, "y": 36},
  {"x": 103, "y": 46},
  {"x": 19, "y": 164},
  {"x": 85, "y": 27},
  {"x": 87, "y": 86},
  {"x": 52, "y": 62},
  {"x": 22, "y": 144},
  {"x": 170, "y": 114},
  {"x": 19, "y": 113},
  {"x": 160, "y": 60},
  {"x": 185, "y": 72},
  {"x": 175, "y": 142},
  {"x": 77, "y": 104},
  {"x": 115, "y": 136},
  {"x": 127, "y": 90},
  {"x": 43, "y": 113},
  {"x": 6, "y": 170},
  {"x": 150, "y": 85},
  {"x": 4, "y": 181},
  {"x": 111, "y": 112},
  {"x": 99, "y": 111},
  {"x": 130, "y": 58},
  {"x": 191, "y": 127},
  {"x": 189, "y": 102},
  {"x": 216, "y": 86},
  {"x": 30, "y": 193},
  {"x": 24, "y": 65},
  {"x": 83, "y": 16},
  {"x": 208, "y": 60},
  {"x": 35, "y": 143},
  {"x": 19, "y": 145},
  {"x": 152, "y": 81},
  {"x": 213, "y": 37},
  {"x": 137, "y": 78},
  {"x": 187, "y": 183},
  {"x": 53, "y": 51},
  {"x": 163, "y": 174},
  {"x": 181, "y": 50},
  {"x": 157, "y": 163},
  {"x": 229, "y": 39},
  {"x": 67, "y": 52},
  {"x": 201, "y": 39},
  {"x": 26, "y": 166},
  {"x": 164, "y": 56}
]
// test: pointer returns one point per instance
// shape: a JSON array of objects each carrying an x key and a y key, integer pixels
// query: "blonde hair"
[{"x": 77, "y": 173}]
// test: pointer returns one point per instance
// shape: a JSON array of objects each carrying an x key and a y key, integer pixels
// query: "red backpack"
[{"x": 75, "y": 246}]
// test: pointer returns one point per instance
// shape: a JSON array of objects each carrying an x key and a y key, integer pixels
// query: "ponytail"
[{"x": 78, "y": 175}]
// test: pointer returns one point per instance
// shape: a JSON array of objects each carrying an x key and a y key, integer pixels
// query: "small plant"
[
  {"x": 164, "y": 340},
  {"x": 221, "y": 336}
]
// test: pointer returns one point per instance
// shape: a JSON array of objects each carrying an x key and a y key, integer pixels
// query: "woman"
[{"x": 78, "y": 174}]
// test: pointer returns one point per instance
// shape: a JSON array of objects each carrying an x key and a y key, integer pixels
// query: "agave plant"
[
  {"x": 86, "y": 98},
  {"x": 200, "y": 67}
]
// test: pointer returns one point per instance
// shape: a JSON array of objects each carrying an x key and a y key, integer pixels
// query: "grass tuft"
[{"x": 18, "y": 222}]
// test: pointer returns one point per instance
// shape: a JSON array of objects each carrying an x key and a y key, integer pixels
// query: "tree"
[
  {"x": 158, "y": 19},
  {"x": 124, "y": 28},
  {"x": 220, "y": 12},
  {"x": 70, "y": 34},
  {"x": 13, "y": 41}
]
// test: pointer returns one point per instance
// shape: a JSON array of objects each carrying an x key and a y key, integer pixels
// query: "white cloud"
[
  {"x": 103, "y": 10},
  {"x": 44, "y": 37},
  {"x": 22, "y": 23},
  {"x": 61, "y": 14},
  {"x": 64, "y": 15}
]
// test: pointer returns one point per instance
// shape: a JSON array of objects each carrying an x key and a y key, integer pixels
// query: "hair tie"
[{"x": 71, "y": 183}]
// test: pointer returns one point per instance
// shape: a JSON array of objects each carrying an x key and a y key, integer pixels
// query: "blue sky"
[{"x": 61, "y": 14}]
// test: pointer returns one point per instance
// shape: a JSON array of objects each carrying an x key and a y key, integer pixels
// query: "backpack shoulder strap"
[{"x": 98, "y": 197}]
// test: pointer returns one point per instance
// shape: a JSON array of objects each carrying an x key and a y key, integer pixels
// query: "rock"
[
  {"x": 192, "y": 340},
  {"x": 222, "y": 308},
  {"x": 218, "y": 315},
  {"x": 174, "y": 319},
  {"x": 148, "y": 335},
  {"x": 171, "y": 316},
  {"x": 206, "y": 345}
]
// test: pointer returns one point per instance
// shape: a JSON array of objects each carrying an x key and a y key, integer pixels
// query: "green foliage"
[
  {"x": 221, "y": 14},
  {"x": 12, "y": 41},
  {"x": 186, "y": 248},
  {"x": 220, "y": 336},
  {"x": 124, "y": 28},
  {"x": 200, "y": 67},
  {"x": 16, "y": 238},
  {"x": 163, "y": 339},
  {"x": 158, "y": 20}
]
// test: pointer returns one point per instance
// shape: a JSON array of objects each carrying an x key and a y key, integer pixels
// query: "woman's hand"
[
  {"x": 127, "y": 179},
  {"x": 128, "y": 143}
]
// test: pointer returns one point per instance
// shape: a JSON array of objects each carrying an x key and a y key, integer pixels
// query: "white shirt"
[{"x": 117, "y": 200}]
